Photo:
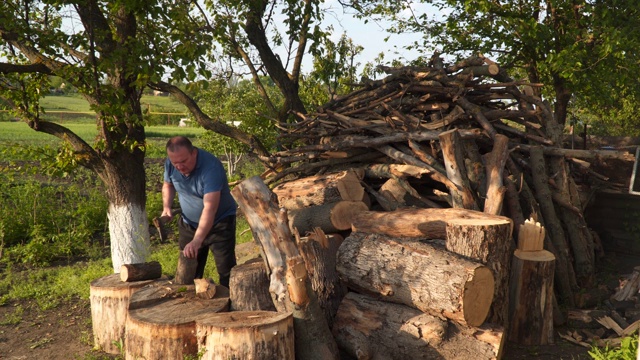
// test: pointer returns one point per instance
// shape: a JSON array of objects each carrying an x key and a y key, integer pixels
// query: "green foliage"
[{"x": 627, "y": 350}]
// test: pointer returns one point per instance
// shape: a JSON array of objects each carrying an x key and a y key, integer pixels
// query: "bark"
[
  {"x": 246, "y": 335},
  {"x": 532, "y": 298},
  {"x": 249, "y": 288},
  {"x": 420, "y": 275},
  {"x": 321, "y": 189}
]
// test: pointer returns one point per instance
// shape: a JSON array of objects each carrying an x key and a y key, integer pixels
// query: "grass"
[{"x": 75, "y": 103}]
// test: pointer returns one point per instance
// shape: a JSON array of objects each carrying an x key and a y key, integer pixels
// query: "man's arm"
[
  {"x": 168, "y": 194},
  {"x": 211, "y": 201}
]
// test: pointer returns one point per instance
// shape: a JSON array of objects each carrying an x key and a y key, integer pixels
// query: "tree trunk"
[
  {"x": 532, "y": 297},
  {"x": 488, "y": 242},
  {"x": 321, "y": 189},
  {"x": 109, "y": 303},
  {"x": 246, "y": 335},
  {"x": 417, "y": 274},
  {"x": 137, "y": 272},
  {"x": 413, "y": 222},
  {"x": 366, "y": 328},
  {"x": 319, "y": 253},
  {"x": 290, "y": 285},
  {"x": 249, "y": 288},
  {"x": 330, "y": 217},
  {"x": 128, "y": 234},
  {"x": 162, "y": 320}
]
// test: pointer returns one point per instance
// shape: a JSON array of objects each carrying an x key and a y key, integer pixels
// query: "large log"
[
  {"x": 319, "y": 252},
  {"x": 366, "y": 328},
  {"x": 330, "y": 217},
  {"x": 290, "y": 285},
  {"x": 321, "y": 189},
  {"x": 109, "y": 298},
  {"x": 413, "y": 222},
  {"x": 246, "y": 335},
  {"x": 489, "y": 242},
  {"x": 162, "y": 320},
  {"x": 138, "y": 272},
  {"x": 249, "y": 287},
  {"x": 417, "y": 274},
  {"x": 531, "y": 290}
]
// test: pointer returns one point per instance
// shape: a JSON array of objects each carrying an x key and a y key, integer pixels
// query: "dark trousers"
[{"x": 221, "y": 240}]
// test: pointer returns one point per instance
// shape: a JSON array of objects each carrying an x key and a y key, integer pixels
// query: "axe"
[{"x": 161, "y": 222}]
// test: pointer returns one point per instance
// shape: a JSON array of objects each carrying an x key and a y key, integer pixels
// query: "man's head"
[{"x": 182, "y": 154}]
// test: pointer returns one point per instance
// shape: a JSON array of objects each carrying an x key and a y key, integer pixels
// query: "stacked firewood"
[{"x": 465, "y": 136}]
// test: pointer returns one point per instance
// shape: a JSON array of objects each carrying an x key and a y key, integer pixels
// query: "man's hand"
[
  {"x": 191, "y": 250},
  {"x": 167, "y": 214}
]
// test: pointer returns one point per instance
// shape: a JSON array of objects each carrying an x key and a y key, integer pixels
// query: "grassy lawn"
[{"x": 75, "y": 103}]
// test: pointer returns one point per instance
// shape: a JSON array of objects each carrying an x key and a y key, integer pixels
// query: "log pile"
[{"x": 465, "y": 135}]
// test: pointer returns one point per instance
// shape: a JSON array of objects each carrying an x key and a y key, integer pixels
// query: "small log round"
[
  {"x": 162, "y": 320},
  {"x": 249, "y": 288},
  {"x": 138, "y": 272},
  {"x": 109, "y": 301},
  {"x": 246, "y": 335}
]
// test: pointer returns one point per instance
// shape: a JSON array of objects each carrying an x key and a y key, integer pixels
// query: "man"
[{"x": 208, "y": 209}]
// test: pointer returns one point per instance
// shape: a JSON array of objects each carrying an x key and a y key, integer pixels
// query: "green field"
[{"x": 76, "y": 103}]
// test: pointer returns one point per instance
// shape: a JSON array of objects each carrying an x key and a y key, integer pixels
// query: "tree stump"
[
  {"x": 109, "y": 302},
  {"x": 138, "y": 272},
  {"x": 246, "y": 335},
  {"x": 162, "y": 320},
  {"x": 532, "y": 297},
  {"x": 366, "y": 328},
  {"x": 421, "y": 275},
  {"x": 487, "y": 241},
  {"x": 249, "y": 288}
]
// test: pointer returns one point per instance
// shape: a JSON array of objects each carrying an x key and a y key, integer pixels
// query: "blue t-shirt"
[{"x": 208, "y": 176}]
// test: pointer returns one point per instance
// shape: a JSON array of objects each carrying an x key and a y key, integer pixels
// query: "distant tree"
[{"x": 582, "y": 49}]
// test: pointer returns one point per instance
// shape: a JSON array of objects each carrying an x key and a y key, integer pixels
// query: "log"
[
  {"x": 246, "y": 335},
  {"x": 205, "y": 288},
  {"x": 319, "y": 253},
  {"x": 630, "y": 287},
  {"x": 487, "y": 241},
  {"x": 393, "y": 193},
  {"x": 290, "y": 285},
  {"x": 366, "y": 328},
  {"x": 330, "y": 217},
  {"x": 420, "y": 275},
  {"x": 453, "y": 153},
  {"x": 494, "y": 164},
  {"x": 109, "y": 297},
  {"x": 138, "y": 272},
  {"x": 249, "y": 288},
  {"x": 412, "y": 222},
  {"x": 531, "y": 236},
  {"x": 186, "y": 270},
  {"x": 162, "y": 320},
  {"x": 321, "y": 189},
  {"x": 531, "y": 291}
]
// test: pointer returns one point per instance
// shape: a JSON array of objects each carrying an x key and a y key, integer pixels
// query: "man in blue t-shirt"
[{"x": 208, "y": 209}]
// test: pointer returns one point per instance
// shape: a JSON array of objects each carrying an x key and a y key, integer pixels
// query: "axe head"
[{"x": 160, "y": 224}]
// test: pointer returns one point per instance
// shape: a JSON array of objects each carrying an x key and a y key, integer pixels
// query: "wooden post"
[
  {"x": 138, "y": 272},
  {"x": 246, "y": 335},
  {"x": 249, "y": 287},
  {"x": 109, "y": 301},
  {"x": 162, "y": 320},
  {"x": 417, "y": 274},
  {"x": 487, "y": 241}
]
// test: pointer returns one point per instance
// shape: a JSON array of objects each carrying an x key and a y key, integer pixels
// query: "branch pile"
[{"x": 464, "y": 136}]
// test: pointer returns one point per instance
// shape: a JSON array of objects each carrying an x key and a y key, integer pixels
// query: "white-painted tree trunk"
[{"x": 129, "y": 233}]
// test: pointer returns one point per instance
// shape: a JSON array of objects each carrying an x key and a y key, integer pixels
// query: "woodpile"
[{"x": 466, "y": 136}]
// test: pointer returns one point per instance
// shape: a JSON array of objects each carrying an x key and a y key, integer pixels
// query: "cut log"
[
  {"x": 531, "y": 236},
  {"x": 205, "y": 288},
  {"x": 138, "y": 272},
  {"x": 249, "y": 287},
  {"x": 321, "y": 189},
  {"x": 109, "y": 302},
  {"x": 319, "y": 253},
  {"x": 162, "y": 320},
  {"x": 246, "y": 335},
  {"x": 411, "y": 222},
  {"x": 420, "y": 275},
  {"x": 330, "y": 217},
  {"x": 290, "y": 285},
  {"x": 487, "y": 241},
  {"x": 366, "y": 328},
  {"x": 531, "y": 307},
  {"x": 393, "y": 193},
  {"x": 186, "y": 270}
]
